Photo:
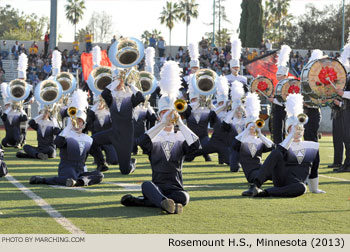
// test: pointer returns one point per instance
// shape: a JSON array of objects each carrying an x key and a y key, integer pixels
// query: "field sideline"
[{"x": 216, "y": 206}]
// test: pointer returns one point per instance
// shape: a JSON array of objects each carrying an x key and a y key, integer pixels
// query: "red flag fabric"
[
  {"x": 87, "y": 65},
  {"x": 265, "y": 66}
]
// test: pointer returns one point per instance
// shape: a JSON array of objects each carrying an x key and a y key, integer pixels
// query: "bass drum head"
[
  {"x": 264, "y": 85},
  {"x": 286, "y": 87},
  {"x": 317, "y": 78}
]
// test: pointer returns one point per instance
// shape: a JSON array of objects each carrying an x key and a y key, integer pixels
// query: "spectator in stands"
[
  {"x": 0, "y": 61},
  {"x": 262, "y": 47},
  {"x": 228, "y": 46},
  {"x": 169, "y": 57},
  {"x": 152, "y": 41},
  {"x": 22, "y": 49},
  {"x": 252, "y": 55},
  {"x": 161, "y": 47},
  {"x": 113, "y": 39},
  {"x": 15, "y": 50},
  {"x": 2, "y": 75},
  {"x": 33, "y": 51},
  {"x": 268, "y": 46},
  {"x": 4, "y": 50},
  {"x": 203, "y": 46},
  {"x": 47, "y": 69},
  {"x": 88, "y": 41},
  {"x": 46, "y": 43}
]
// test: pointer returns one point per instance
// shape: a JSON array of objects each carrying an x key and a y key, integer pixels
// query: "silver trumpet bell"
[
  {"x": 204, "y": 82},
  {"x": 126, "y": 52},
  {"x": 67, "y": 81},
  {"x": 99, "y": 79},
  {"x": 147, "y": 83},
  {"x": 18, "y": 90},
  {"x": 48, "y": 92}
]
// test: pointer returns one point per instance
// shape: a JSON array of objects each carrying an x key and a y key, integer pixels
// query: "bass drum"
[
  {"x": 262, "y": 86},
  {"x": 286, "y": 87},
  {"x": 316, "y": 79}
]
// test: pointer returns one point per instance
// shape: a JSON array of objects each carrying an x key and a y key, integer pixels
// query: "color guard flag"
[{"x": 87, "y": 65}]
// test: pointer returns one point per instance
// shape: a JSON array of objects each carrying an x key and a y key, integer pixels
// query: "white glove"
[
  {"x": 8, "y": 110},
  {"x": 264, "y": 139},
  {"x": 189, "y": 136},
  {"x": 38, "y": 118},
  {"x": 287, "y": 142},
  {"x": 245, "y": 133},
  {"x": 156, "y": 129},
  {"x": 150, "y": 109},
  {"x": 113, "y": 85},
  {"x": 134, "y": 89},
  {"x": 313, "y": 186}
]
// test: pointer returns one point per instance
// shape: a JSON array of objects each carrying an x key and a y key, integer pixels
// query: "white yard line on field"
[
  {"x": 341, "y": 179},
  {"x": 46, "y": 207}
]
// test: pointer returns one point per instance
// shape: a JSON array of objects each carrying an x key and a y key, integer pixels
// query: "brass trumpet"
[
  {"x": 303, "y": 119},
  {"x": 72, "y": 112},
  {"x": 180, "y": 105},
  {"x": 260, "y": 123}
]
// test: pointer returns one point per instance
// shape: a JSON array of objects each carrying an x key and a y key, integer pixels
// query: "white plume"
[
  {"x": 22, "y": 62},
  {"x": 349, "y": 36},
  {"x": 79, "y": 100},
  {"x": 252, "y": 105},
  {"x": 316, "y": 54},
  {"x": 170, "y": 81},
  {"x": 149, "y": 59},
  {"x": 283, "y": 56},
  {"x": 193, "y": 51},
  {"x": 96, "y": 56},
  {"x": 236, "y": 48},
  {"x": 4, "y": 90},
  {"x": 237, "y": 91},
  {"x": 56, "y": 59},
  {"x": 294, "y": 105},
  {"x": 345, "y": 55},
  {"x": 222, "y": 86}
]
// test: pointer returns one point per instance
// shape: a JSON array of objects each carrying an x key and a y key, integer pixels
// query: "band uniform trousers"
[
  {"x": 338, "y": 140},
  {"x": 278, "y": 119},
  {"x": 313, "y": 124}
]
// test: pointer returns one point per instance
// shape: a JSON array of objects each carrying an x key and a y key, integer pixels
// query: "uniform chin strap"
[
  {"x": 189, "y": 136},
  {"x": 313, "y": 186},
  {"x": 265, "y": 140}
]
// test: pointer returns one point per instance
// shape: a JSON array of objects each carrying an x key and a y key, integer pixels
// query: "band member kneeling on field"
[
  {"x": 293, "y": 161},
  {"x": 46, "y": 128},
  {"x": 74, "y": 148},
  {"x": 166, "y": 150},
  {"x": 251, "y": 143}
]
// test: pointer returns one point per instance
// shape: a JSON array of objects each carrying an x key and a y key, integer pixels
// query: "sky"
[{"x": 132, "y": 17}]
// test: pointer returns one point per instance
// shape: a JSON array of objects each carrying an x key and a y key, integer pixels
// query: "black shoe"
[
  {"x": 249, "y": 192},
  {"x": 129, "y": 200},
  {"x": 168, "y": 205},
  {"x": 257, "y": 192},
  {"x": 334, "y": 165},
  {"x": 21, "y": 154},
  {"x": 102, "y": 167},
  {"x": 344, "y": 169},
  {"x": 42, "y": 156},
  {"x": 36, "y": 180},
  {"x": 207, "y": 158}
]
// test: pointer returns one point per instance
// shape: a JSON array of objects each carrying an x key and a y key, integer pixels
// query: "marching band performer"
[
  {"x": 120, "y": 100},
  {"x": 293, "y": 161},
  {"x": 218, "y": 142},
  {"x": 250, "y": 144},
  {"x": 234, "y": 122},
  {"x": 235, "y": 64},
  {"x": 194, "y": 66},
  {"x": 74, "y": 148},
  {"x": 47, "y": 128},
  {"x": 12, "y": 117},
  {"x": 143, "y": 114},
  {"x": 197, "y": 113},
  {"x": 278, "y": 113},
  {"x": 98, "y": 120},
  {"x": 339, "y": 120},
  {"x": 166, "y": 150},
  {"x": 345, "y": 106},
  {"x": 313, "y": 112}
]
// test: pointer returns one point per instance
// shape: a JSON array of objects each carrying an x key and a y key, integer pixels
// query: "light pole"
[
  {"x": 343, "y": 27},
  {"x": 53, "y": 25},
  {"x": 213, "y": 40}
]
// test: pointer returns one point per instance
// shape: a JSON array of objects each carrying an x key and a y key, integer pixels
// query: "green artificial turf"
[{"x": 216, "y": 204}]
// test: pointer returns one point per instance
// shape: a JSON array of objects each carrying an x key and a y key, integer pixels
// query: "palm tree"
[
  {"x": 169, "y": 16},
  {"x": 74, "y": 12},
  {"x": 157, "y": 34},
  {"x": 82, "y": 33},
  {"x": 188, "y": 10}
]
